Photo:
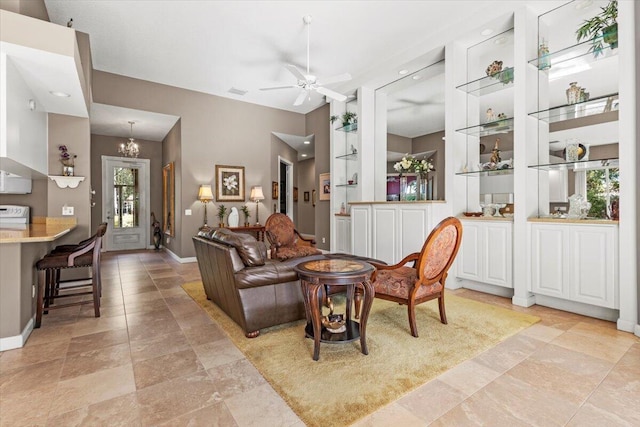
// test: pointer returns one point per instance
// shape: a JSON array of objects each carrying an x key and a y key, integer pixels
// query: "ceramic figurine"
[
  {"x": 573, "y": 93},
  {"x": 490, "y": 116},
  {"x": 494, "y": 68},
  {"x": 495, "y": 153},
  {"x": 234, "y": 218}
]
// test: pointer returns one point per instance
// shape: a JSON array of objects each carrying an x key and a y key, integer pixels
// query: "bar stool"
[{"x": 85, "y": 254}]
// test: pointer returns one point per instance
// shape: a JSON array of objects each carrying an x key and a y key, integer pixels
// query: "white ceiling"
[
  {"x": 114, "y": 121},
  {"x": 214, "y": 46},
  {"x": 305, "y": 151}
]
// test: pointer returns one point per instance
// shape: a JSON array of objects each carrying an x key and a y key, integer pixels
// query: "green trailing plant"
[
  {"x": 245, "y": 211},
  {"x": 333, "y": 118},
  {"x": 222, "y": 211},
  {"x": 602, "y": 28},
  {"x": 347, "y": 118}
]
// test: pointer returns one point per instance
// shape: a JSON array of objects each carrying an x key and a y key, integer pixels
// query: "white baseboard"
[
  {"x": 181, "y": 260},
  {"x": 17, "y": 341},
  {"x": 486, "y": 288},
  {"x": 636, "y": 330},
  {"x": 578, "y": 308},
  {"x": 625, "y": 325}
]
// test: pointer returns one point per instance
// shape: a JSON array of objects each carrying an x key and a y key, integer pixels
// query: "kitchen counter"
[
  {"x": 20, "y": 249},
  {"x": 574, "y": 221}
]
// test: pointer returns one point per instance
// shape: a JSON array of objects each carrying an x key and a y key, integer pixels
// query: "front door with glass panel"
[{"x": 125, "y": 202}]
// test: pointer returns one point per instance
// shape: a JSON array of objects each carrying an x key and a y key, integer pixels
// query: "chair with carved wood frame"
[
  {"x": 284, "y": 238},
  {"x": 426, "y": 279}
]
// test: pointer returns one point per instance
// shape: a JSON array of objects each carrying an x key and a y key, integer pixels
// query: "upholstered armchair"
[
  {"x": 285, "y": 239},
  {"x": 426, "y": 279}
]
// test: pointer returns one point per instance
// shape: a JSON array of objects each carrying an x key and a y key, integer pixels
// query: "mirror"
[
  {"x": 168, "y": 200},
  {"x": 415, "y": 125}
]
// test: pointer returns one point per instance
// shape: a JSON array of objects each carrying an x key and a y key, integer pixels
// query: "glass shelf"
[
  {"x": 347, "y": 185},
  {"x": 580, "y": 50},
  {"x": 351, "y": 156},
  {"x": 491, "y": 128},
  {"x": 582, "y": 165},
  {"x": 487, "y": 172},
  {"x": 352, "y": 128},
  {"x": 489, "y": 84},
  {"x": 599, "y": 105}
]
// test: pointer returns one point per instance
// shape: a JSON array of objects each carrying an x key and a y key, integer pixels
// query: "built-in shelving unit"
[
  {"x": 599, "y": 105},
  {"x": 489, "y": 84},
  {"x": 488, "y": 129}
]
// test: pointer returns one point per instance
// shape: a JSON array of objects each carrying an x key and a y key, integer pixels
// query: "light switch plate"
[
  {"x": 67, "y": 210},
  {"x": 187, "y": 212}
]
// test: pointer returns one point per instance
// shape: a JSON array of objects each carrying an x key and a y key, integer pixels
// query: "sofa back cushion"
[{"x": 252, "y": 252}]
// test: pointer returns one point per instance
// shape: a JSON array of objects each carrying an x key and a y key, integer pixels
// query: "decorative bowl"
[
  {"x": 472, "y": 214},
  {"x": 334, "y": 323}
]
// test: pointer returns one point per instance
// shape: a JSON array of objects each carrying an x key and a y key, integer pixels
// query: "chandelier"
[{"x": 130, "y": 148}]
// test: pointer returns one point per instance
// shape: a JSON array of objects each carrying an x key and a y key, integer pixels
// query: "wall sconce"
[
  {"x": 205, "y": 196},
  {"x": 256, "y": 196}
]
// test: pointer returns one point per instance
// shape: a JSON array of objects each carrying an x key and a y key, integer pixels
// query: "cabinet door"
[
  {"x": 549, "y": 256},
  {"x": 343, "y": 235},
  {"x": 361, "y": 217},
  {"x": 468, "y": 259},
  {"x": 497, "y": 254},
  {"x": 593, "y": 271}
]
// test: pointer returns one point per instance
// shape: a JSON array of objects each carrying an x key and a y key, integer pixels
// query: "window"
[
  {"x": 603, "y": 191},
  {"x": 126, "y": 197}
]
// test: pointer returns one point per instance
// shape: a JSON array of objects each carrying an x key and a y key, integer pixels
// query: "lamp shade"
[
  {"x": 205, "y": 194},
  {"x": 256, "y": 193}
]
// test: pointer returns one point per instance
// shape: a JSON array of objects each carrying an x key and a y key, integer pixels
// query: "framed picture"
[
  {"x": 274, "y": 190},
  {"x": 325, "y": 186},
  {"x": 295, "y": 194},
  {"x": 168, "y": 199},
  {"x": 229, "y": 183},
  {"x": 306, "y": 196}
]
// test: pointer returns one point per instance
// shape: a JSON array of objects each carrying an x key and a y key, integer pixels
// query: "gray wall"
[
  {"x": 214, "y": 131},
  {"x": 171, "y": 147},
  {"x": 398, "y": 144},
  {"x": 102, "y": 145},
  {"x": 306, "y": 182},
  {"x": 637, "y": 96},
  {"x": 317, "y": 123},
  {"x": 282, "y": 149}
]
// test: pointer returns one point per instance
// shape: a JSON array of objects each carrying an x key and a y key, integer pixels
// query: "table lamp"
[
  {"x": 256, "y": 196},
  {"x": 205, "y": 196}
]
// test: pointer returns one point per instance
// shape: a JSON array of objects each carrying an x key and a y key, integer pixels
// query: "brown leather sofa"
[{"x": 254, "y": 291}]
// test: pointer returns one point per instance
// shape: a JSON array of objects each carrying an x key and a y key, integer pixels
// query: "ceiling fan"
[{"x": 308, "y": 82}]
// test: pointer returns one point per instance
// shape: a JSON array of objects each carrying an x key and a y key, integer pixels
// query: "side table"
[{"x": 335, "y": 272}]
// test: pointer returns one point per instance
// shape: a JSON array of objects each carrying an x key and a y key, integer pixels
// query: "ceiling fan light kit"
[{"x": 308, "y": 82}]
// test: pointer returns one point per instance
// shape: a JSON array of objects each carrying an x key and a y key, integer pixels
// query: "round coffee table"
[{"x": 335, "y": 272}]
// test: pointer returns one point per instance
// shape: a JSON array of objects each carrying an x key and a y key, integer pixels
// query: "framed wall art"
[
  {"x": 295, "y": 194},
  {"x": 229, "y": 183},
  {"x": 168, "y": 199},
  {"x": 274, "y": 190},
  {"x": 325, "y": 186}
]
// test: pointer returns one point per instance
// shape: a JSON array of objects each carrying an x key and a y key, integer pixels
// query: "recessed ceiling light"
[
  {"x": 307, "y": 142},
  {"x": 500, "y": 40},
  {"x": 486, "y": 31},
  {"x": 416, "y": 77},
  {"x": 60, "y": 94},
  {"x": 304, "y": 155},
  {"x": 403, "y": 72}
]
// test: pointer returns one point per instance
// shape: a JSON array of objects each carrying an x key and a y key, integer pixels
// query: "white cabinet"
[
  {"x": 576, "y": 262},
  {"x": 343, "y": 234},
  {"x": 486, "y": 253}
]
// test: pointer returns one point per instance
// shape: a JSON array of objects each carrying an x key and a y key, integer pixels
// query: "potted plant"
[
  {"x": 348, "y": 119},
  {"x": 604, "y": 24},
  {"x": 221, "y": 213},
  {"x": 245, "y": 211}
]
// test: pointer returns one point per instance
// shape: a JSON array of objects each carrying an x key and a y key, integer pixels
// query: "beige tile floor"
[{"x": 155, "y": 358}]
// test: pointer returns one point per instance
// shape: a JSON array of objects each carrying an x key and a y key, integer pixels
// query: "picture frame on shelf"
[
  {"x": 295, "y": 194},
  {"x": 274, "y": 190},
  {"x": 230, "y": 183},
  {"x": 306, "y": 196},
  {"x": 325, "y": 186}
]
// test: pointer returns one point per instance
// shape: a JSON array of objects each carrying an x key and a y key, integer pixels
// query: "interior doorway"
[
  {"x": 125, "y": 202},
  {"x": 285, "y": 181}
]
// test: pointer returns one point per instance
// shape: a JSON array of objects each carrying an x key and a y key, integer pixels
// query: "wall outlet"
[
  {"x": 67, "y": 210},
  {"x": 33, "y": 291},
  {"x": 187, "y": 212},
  {"x": 324, "y": 240}
]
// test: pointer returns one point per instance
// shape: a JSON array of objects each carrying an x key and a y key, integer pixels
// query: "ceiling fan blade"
[
  {"x": 300, "y": 99},
  {"x": 335, "y": 79},
  {"x": 297, "y": 73},
  {"x": 332, "y": 94},
  {"x": 278, "y": 87}
]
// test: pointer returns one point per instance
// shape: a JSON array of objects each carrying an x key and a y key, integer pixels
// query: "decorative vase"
[
  {"x": 157, "y": 238},
  {"x": 610, "y": 35},
  {"x": 421, "y": 186},
  {"x": 544, "y": 63},
  {"x": 67, "y": 167},
  {"x": 573, "y": 93},
  {"x": 404, "y": 188}
]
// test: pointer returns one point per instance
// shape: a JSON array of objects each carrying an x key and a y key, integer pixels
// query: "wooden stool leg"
[
  {"x": 95, "y": 285},
  {"x": 42, "y": 278},
  {"x": 358, "y": 301}
]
